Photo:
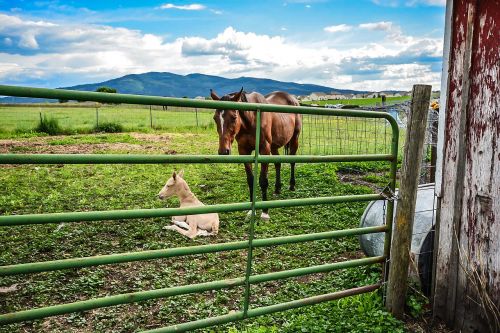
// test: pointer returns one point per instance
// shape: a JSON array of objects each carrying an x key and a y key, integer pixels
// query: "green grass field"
[
  {"x": 74, "y": 119},
  {"x": 31, "y": 189},
  {"x": 77, "y": 119},
  {"x": 320, "y": 134},
  {"x": 361, "y": 101}
]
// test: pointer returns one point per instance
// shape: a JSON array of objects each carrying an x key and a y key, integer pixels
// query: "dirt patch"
[
  {"x": 45, "y": 145},
  {"x": 356, "y": 179},
  {"x": 10, "y": 146},
  {"x": 425, "y": 324},
  {"x": 157, "y": 138}
]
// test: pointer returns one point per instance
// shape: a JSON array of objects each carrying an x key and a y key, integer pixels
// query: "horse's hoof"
[
  {"x": 292, "y": 188},
  {"x": 249, "y": 215},
  {"x": 265, "y": 216},
  {"x": 169, "y": 227},
  {"x": 277, "y": 192}
]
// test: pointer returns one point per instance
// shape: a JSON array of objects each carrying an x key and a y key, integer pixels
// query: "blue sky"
[{"x": 372, "y": 44}]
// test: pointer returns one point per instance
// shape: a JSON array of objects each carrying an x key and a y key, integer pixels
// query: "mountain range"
[{"x": 191, "y": 85}]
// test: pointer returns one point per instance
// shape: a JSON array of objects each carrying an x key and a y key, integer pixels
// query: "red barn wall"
[{"x": 467, "y": 276}]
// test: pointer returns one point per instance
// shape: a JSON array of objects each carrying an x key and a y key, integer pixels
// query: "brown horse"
[{"x": 277, "y": 130}]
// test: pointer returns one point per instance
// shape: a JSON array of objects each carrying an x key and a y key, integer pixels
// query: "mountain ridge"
[{"x": 193, "y": 85}]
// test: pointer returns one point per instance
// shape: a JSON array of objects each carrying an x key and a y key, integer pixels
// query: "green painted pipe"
[
  {"x": 120, "y": 159},
  {"x": 182, "y": 102},
  {"x": 314, "y": 269},
  {"x": 323, "y": 159},
  {"x": 11, "y": 220},
  {"x": 312, "y": 300},
  {"x": 317, "y": 201},
  {"x": 174, "y": 291},
  {"x": 203, "y": 323},
  {"x": 173, "y": 159},
  {"x": 53, "y": 265},
  {"x": 95, "y": 303}
]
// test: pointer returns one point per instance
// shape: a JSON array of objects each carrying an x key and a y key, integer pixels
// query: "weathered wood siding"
[{"x": 469, "y": 216}]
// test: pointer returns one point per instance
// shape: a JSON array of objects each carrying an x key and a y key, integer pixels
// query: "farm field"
[
  {"x": 81, "y": 118},
  {"x": 361, "y": 101},
  {"x": 320, "y": 134},
  {"x": 63, "y": 188},
  {"x": 77, "y": 119}
]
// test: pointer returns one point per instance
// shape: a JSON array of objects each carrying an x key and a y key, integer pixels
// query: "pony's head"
[
  {"x": 228, "y": 121},
  {"x": 174, "y": 185}
]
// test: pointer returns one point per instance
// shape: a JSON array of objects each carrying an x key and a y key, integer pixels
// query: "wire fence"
[
  {"x": 84, "y": 117},
  {"x": 320, "y": 135}
]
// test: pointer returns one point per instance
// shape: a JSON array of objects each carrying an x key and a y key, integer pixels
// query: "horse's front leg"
[
  {"x": 294, "y": 146},
  {"x": 277, "y": 166},
  {"x": 248, "y": 170},
  {"x": 263, "y": 178}
]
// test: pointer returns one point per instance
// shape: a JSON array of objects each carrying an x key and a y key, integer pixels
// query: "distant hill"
[{"x": 192, "y": 85}]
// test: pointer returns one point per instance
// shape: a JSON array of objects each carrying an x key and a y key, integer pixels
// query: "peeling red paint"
[{"x": 479, "y": 219}]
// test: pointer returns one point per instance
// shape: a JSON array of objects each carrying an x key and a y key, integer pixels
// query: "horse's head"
[{"x": 228, "y": 121}]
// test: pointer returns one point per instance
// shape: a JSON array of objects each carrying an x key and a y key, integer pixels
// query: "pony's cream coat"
[{"x": 188, "y": 225}]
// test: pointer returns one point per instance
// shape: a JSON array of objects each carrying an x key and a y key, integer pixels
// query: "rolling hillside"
[{"x": 192, "y": 85}]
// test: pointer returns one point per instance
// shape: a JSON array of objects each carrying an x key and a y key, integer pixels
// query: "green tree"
[{"x": 106, "y": 90}]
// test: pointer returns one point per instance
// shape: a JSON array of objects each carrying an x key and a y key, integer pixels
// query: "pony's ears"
[
  {"x": 180, "y": 174},
  {"x": 214, "y": 95},
  {"x": 237, "y": 96}
]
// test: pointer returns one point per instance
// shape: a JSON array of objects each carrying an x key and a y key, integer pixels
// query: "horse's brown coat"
[{"x": 277, "y": 130}]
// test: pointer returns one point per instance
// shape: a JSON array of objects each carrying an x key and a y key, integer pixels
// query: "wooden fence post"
[
  {"x": 433, "y": 138},
  {"x": 150, "y": 117},
  {"x": 405, "y": 211}
]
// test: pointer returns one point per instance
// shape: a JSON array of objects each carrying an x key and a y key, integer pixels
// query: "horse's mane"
[{"x": 243, "y": 96}]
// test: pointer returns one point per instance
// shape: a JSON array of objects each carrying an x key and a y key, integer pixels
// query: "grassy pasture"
[
  {"x": 75, "y": 119},
  {"x": 361, "y": 101},
  {"x": 63, "y": 188},
  {"x": 320, "y": 134}
]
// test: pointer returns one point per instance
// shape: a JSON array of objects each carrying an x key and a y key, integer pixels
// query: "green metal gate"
[{"x": 250, "y": 244}]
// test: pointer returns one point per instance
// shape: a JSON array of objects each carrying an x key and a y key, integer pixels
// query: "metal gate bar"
[
  {"x": 249, "y": 245},
  {"x": 179, "y": 290},
  {"x": 54, "y": 265},
  {"x": 11, "y": 220}
]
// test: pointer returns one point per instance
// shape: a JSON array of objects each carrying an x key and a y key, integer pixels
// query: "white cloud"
[
  {"x": 382, "y": 26},
  {"x": 193, "y": 6},
  {"x": 74, "y": 53},
  {"x": 337, "y": 28}
]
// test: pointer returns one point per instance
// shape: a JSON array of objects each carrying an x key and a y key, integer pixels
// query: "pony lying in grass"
[{"x": 188, "y": 225}]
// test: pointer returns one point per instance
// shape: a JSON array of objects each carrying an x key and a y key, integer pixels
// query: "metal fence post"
[{"x": 405, "y": 211}]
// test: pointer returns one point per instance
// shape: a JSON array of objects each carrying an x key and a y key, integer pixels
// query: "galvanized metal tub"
[{"x": 374, "y": 215}]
